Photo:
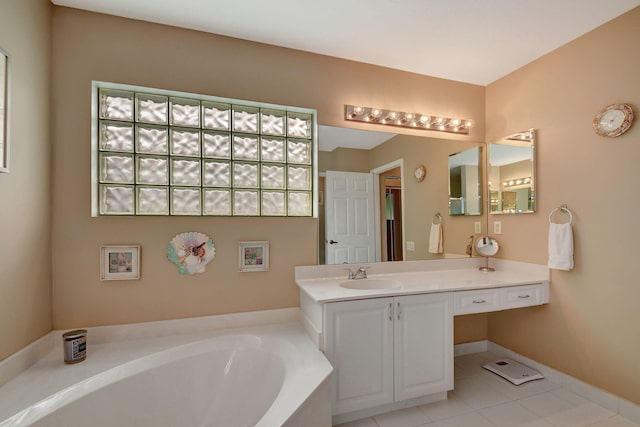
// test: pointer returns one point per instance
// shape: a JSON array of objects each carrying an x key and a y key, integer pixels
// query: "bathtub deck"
[{"x": 42, "y": 383}]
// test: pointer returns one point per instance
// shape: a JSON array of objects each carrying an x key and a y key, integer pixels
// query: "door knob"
[{"x": 332, "y": 242}]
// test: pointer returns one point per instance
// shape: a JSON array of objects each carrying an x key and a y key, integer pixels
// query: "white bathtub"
[{"x": 265, "y": 376}]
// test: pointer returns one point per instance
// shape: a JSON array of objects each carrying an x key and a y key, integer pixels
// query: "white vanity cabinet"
[{"x": 386, "y": 350}]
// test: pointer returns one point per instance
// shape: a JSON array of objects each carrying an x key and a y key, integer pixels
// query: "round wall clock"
[
  {"x": 613, "y": 120},
  {"x": 420, "y": 173}
]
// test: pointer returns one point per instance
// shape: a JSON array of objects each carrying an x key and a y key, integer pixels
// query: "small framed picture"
[
  {"x": 120, "y": 262},
  {"x": 253, "y": 256}
]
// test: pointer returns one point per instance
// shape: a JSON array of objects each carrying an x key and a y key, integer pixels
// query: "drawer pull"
[
  {"x": 524, "y": 296},
  {"x": 480, "y": 301},
  {"x": 390, "y": 312}
]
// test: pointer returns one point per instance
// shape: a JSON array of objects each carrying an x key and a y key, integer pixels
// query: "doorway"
[
  {"x": 379, "y": 225},
  {"x": 391, "y": 214}
]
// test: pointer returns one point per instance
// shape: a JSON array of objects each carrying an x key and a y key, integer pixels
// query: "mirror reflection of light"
[{"x": 516, "y": 182}]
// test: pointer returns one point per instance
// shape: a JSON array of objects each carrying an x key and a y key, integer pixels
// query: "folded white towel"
[
  {"x": 435, "y": 239},
  {"x": 560, "y": 246}
]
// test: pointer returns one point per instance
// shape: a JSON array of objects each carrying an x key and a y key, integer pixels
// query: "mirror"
[
  {"x": 4, "y": 97},
  {"x": 512, "y": 174},
  {"x": 487, "y": 247},
  {"x": 407, "y": 206},
  {"x": 465, "y": 183}
]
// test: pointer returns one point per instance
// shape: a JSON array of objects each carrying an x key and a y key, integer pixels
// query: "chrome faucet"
[
  {"x": 360, "y": 274},
  {"x": 470, "y": 246}
]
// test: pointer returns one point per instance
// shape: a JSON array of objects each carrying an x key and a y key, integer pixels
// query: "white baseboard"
[{"x": 470, "y": 348}]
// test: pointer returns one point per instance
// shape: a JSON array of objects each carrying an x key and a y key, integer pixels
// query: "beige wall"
[
  {"x": 590, "y": 328},
  {"x": 88, "y": 46},
  {"x": 25, "y": 216}
]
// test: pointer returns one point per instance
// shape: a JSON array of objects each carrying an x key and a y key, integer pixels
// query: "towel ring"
[
  {"x": 562, "y": 208},
  {"x": 437, "y": 217}
]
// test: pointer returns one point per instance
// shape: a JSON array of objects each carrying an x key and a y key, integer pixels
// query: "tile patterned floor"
[{"x": 482, "y": 399}]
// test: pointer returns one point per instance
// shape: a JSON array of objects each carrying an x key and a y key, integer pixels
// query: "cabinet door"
[
  {"x": 359, "y": 345},
  {"x": 423, "y": 345}
]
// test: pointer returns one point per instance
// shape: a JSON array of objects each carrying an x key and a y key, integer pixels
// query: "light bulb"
[
  {"x": 468, "y": 124},
  {"x": 425, "y": 119}
]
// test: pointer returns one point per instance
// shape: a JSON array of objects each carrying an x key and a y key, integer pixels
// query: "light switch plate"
[
  {"x": 477, "y": 227},
  {"x": 497, "y": 227},
  {"x": 411, "y": 246}
]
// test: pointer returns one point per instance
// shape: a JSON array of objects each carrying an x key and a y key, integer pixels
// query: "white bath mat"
[{"x": 513, "y": 371}]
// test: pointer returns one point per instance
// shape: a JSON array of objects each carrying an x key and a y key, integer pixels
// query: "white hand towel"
[
  {"x": 560, "y": 246},
  {"x": 435, "y": 239}
]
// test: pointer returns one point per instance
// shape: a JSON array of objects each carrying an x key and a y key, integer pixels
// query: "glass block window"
[{"x": 162, "y": 153}]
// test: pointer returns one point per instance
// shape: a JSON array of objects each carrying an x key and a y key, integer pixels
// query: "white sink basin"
[{"x": 371, "y": 284}]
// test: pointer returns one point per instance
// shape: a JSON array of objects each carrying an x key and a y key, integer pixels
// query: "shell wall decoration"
[{"x": 191, "y": 252}]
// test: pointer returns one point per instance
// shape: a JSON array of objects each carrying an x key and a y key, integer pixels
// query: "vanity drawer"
[
  {"x": 478, "y": 301},
  {"x": 525, "y": 295}
]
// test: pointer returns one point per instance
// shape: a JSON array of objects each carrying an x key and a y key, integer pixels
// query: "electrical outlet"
[
  {"x": 477, "y": 227},
  {"x": 497, "y": 227},
  {"x": 411, "y": 246}
]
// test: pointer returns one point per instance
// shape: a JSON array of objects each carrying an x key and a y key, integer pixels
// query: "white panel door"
[
  {"x": 423, "y": 345},
  {"x": 350, "y": 217},
  {"x": 359, "y": 345}
]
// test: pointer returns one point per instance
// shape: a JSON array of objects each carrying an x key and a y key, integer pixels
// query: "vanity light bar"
[
  {"x": 407, "y": 120},
  {"x": 516, "y": 182}
]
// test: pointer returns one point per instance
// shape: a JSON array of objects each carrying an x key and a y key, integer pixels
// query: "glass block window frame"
[{"x": 166, "y": 153}]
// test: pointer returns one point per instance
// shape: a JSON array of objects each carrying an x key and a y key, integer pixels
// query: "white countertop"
[{"x": 322, "y": 283}]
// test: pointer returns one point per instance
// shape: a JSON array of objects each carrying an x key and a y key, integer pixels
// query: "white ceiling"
[
  {"x": 330, "y": 138},
  {"x": 470, "y": 41}
]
